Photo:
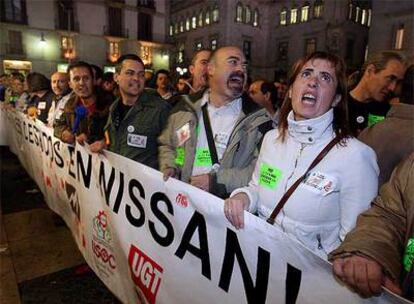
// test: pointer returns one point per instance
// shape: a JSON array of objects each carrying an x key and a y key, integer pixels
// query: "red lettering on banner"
[
  {"x": 102, "y": 253},
  {"x": 181, "y": 200},
  {"x": 145, "y": 272}
]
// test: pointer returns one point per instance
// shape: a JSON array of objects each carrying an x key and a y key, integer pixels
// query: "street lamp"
[{"x": 42, "y": 39}]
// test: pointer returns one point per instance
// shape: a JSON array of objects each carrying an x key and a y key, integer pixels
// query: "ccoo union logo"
[
  {"x": 145, "y": 272},
  {"x": 101, "y": 244}
]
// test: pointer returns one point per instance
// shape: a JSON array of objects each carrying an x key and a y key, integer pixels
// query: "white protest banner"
[{"x": 152, "y": 241}]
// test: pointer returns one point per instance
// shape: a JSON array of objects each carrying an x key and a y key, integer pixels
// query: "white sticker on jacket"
[
  {"x": 320, "y": 183},
  {"x": 221, "y": 139},
  {"x": 135, "y": 140},
  {"x": 41, "y": 105},
  {"x": 183, "y": 134}
]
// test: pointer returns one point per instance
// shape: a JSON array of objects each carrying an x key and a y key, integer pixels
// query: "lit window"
[
  {"x": 294, "y": 15},
  {"x": 180, "y": 54},
  {"x": 283, "y": 17},
  {"x": 239, "y": 13},
  {"x": 256, "y": 18},
  {"x": 248, "y": 14},
  {"x": 187, "y": 24},
  {"x": 357, "y": 14},
  {"x": 215, "y": 14},
  {"x": 200, "y": 19},
  {"x": 304, "y": 14},
  {"x": 207, "y": 18},
  {"x": 310, "y": 46},
  {"x": 181, "y": 26},
  {"x": 198, "y": 46},
  {"x": 399, "y": 37},
  {"x": 318, "y": 9},
  {"x": 194, "y": 22},
  {"x": 351, "y": 11},
  {"x": 113, "y": 53},
  {"x": 213, "y": 44},
  {"x": 171, "y": 29},
  {"x": 364, "y": 18},
  {"x": 176, "y": 28},
  {"x": 369, "y": 18},
  {"x": 67, "y": 43}
]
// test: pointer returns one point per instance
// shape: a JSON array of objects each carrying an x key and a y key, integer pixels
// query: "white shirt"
[
  {"x": 56, "y": 109},
  {"x": 222, "y": 121},
  {"x": 324, "y": 208}
]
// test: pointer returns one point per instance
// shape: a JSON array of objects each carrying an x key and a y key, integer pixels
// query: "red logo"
[
  {"x": 103, "y": 254},
  {"x": 181, "y": 200},
  {"x": 145, "y": 272}
]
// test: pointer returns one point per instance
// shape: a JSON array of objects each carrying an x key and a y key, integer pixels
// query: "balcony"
[
  {"x": 115, "y": 31},
  {"x": 14, "y": 49}
]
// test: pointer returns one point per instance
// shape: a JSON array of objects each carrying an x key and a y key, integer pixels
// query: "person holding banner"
[
  {"x": 136, "y": 118},
  {"x": 380, "y": 250},
  {"x": 213, "y": 143},
  {"x": 311, "y": 162}
]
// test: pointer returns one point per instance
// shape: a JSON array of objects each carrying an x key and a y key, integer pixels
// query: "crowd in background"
[{"x": 307, "y": 153}]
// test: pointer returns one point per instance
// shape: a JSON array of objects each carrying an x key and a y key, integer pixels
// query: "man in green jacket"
[
  {"x": 136, "y": 119},
  {"x": 237, "y": 127},
  {"x": 380, "y": 250}
]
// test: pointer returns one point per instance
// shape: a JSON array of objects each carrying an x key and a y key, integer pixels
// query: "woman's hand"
[{"x": 234, "y": 209}]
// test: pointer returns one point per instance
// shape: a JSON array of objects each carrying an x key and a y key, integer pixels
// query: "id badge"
[
  {"x": 183, "y": 134},
  {"x": 41, "y": 105},
  {"x": 135, "y": 140}
]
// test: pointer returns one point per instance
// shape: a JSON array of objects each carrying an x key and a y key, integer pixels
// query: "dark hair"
[
  {"x": 80, "y": 64},
  {"x": 37, "y": 82},
  {"x": 17, "y": 75},
  {"x": 268, "y": 87},
  {"x": 121, "y": 60},
  {"x": 195, "y": 55},
  {"x": 98, "y": 71},
  {"x": 407, "y": 86},
  {"x": 108, "y": 76},
  {"x": 162, "y": 71},
  {"x": 340, "y": 120}
]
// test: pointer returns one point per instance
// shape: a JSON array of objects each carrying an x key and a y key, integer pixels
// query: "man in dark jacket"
[{"x": 136, "y": 118}]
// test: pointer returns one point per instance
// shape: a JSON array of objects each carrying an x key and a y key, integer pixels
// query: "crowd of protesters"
[{"x": 308, "y": 155}]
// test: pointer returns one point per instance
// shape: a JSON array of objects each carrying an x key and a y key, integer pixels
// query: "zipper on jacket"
[
  {"x": 299, "y": 154},
  {"x": 318, "y": 237}
]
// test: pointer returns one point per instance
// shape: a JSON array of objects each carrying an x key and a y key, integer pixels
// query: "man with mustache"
[
  {"x": 368, "y": 100},
  {"x": 213, "y": 143},
  {"x": 136, "y": 119}
]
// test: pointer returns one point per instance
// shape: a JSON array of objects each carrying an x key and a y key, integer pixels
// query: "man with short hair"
[
  {"x": 84, "y": 114},
  {"x": 136, "y": 118},
  {"x": 60, "y": 87},
  {"x": 213, "y": 143},
  {"x": 367, "y": 102},
  {"x": 265, "y": 95},
  {"x": 163, "y": 84},
  {"x": 198, "y": 71}
]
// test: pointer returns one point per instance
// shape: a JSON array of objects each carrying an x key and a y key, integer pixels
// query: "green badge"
[
  {"x": 180, "y": 156},
  {"x": 203, "y": 158},
  {"x": 409, "y": 255},
  {"x": 269, "y": 176},
  {"x": 373, "y": 119}
]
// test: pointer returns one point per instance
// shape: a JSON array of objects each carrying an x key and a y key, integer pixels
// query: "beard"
[{"x": 235, "y": 83}]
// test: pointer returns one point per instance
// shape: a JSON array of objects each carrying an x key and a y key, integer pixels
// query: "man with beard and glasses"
[
  {"x": 213, "y": 143},
  {"x": 136, "y": 119}
]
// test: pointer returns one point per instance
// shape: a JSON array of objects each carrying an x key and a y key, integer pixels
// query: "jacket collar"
[{"x": 311, "y": 130}]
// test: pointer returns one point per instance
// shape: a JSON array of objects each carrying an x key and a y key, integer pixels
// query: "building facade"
[
  {"x": 44, "y": 36},
  {"x": 392, "y": 27},
  {"x": 272, "y": 34}
]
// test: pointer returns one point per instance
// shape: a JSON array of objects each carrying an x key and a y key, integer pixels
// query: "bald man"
[
  {"x": 60, "y": 86},
  {"x": 213, "y": 143}
]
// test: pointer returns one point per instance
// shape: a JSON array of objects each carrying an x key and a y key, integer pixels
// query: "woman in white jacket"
[{"x": 324, "y": 207}]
